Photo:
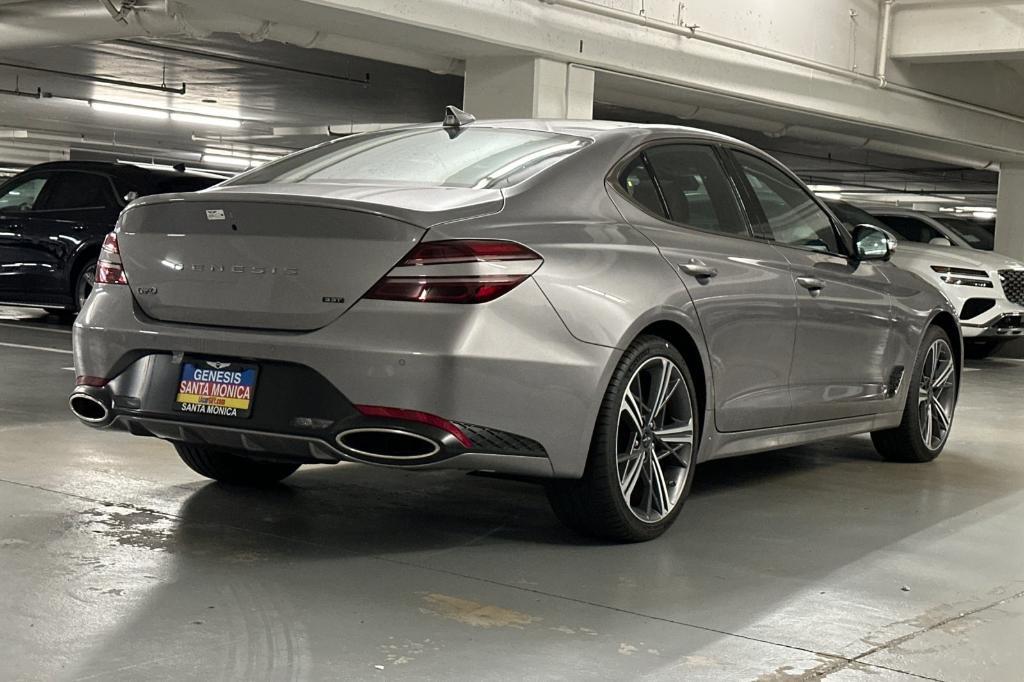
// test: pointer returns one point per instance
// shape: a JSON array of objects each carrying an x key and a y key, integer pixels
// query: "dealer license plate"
[{"x": 217, "y": 389}]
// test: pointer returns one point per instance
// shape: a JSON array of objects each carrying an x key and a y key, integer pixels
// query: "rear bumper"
[{"x": 508, "y": 371}]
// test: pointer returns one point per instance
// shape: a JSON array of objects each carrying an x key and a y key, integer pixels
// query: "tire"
[
  {"x": 85, "y": 280},
  {"x": 979, "y": 350},
  {"x": 596, "y": 504},
  {"x": 907, "y": 442},
  {"x": 228, "y": 467}
]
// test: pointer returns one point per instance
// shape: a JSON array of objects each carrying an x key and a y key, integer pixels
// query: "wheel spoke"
[
  {"x": 632, "y": 476},
  {"x": 941, "y": 416},
  {"x": 660, "y": 487},
  {"x": 660, "y": 391},
  {"x": 630, "y": 407},
  {"x": 944, "y": 376},
  {"x": 928, "y": 424}
]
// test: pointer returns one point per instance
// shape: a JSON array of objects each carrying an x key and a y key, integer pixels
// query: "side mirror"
[
  {"x": 940, "y": 241},
  {"x": 873, "y": 243},
  {"x": 131, "y": 196}
]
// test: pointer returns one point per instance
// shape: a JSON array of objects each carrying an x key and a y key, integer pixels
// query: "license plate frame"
[{"x": 209, "y": 387}]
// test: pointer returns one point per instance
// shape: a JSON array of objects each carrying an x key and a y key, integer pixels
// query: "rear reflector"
[
  {"x": 445, "y": 286},
  {"x": 83, "y": 380},
  {"x": 108, "y": 267},
  {"x": 416, "y": 416}
]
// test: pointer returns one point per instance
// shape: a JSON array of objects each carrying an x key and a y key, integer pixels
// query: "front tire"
[
  {"x": 227, "y": 467},
  {"x": 931, "y": 401},
  {"x": 643, "y": 452}
]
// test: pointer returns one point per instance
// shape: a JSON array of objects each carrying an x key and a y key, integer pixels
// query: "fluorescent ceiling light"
[
  {"x": 127, "y": 110},
  {"x": 829, "y": 196},
  {"x": 231, "y": 161},
  {"x": 824, "y": 188},
  {"x": 984, "y": 215},
  {"x": 199, "y": 119}
]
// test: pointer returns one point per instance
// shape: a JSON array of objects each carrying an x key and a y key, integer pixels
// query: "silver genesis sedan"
[{"x": 601, "y": 305}]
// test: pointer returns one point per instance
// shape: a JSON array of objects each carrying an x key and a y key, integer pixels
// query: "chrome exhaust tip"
[
  {"x": 91, "y": 405},
  {"x": 387, "y": 444}
]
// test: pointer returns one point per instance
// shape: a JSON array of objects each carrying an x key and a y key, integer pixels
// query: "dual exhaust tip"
[{"x": 91, "y": 405}]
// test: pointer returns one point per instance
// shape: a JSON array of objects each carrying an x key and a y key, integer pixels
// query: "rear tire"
[
  {"x": 621, "y": 496},
  {"x": 925, "y": 415},
  {"x": 979, "y": 350},
  {"x": 228, "y": 467},
  {"x": 85, "y": 281}
]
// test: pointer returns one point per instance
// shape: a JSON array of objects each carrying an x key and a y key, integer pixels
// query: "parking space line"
[
  {"x": 34, "y": 327},
  {"x": 44, "y": 348}
]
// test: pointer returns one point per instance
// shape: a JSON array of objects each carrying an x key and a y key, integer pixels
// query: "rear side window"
[
  {"x": 70, "y": 190},
  {"x": 793, "y": 218},
  {"x": 912, "y": 229},
  {"x": 638, "y": 183},
  {"x": 22, "y": 196},
  {"x": 477, "y": 157},
  {"x": 696, "y": 189}
]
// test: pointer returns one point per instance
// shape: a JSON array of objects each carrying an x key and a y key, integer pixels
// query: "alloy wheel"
[
  {"x": 86, "y": 282},
  {"x": 654, "y": 439},
  {"x": 936, "y": 396}
]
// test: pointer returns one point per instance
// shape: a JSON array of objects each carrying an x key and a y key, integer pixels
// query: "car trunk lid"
[{"x": 286, "y": 258}]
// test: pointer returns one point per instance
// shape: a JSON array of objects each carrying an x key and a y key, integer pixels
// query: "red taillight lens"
[
  {"x": 85, "y": 380},
  {"x": 108, "y": 267},
  {"x": 467, "y": 251},
  {"x": 416, "y": 416},
  {"x": 412, "y": 279}
]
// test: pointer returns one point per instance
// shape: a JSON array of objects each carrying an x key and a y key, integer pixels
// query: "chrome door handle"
[
  {"x": 698, "y": 269},
  {"x": 812, "y": 284}
]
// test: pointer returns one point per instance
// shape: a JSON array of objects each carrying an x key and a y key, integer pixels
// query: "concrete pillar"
[
  {"x": 527, "y": 87},
  {"x": 1010, "y": 215}
]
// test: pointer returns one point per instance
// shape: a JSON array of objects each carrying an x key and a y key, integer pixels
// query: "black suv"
[{"x": 53, "y": 218}]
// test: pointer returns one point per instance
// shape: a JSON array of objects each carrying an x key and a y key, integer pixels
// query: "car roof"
[{"x": 600, "y": 128}]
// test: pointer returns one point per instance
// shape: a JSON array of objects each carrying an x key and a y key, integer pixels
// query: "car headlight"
[{"x": 963, "y": 276}]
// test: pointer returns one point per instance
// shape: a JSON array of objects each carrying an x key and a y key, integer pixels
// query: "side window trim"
[{"x": 757, "y": 210}]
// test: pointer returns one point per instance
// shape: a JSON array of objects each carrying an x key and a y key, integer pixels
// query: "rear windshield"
[
  {"x": 973, "y": 233},
  {"x": 472, "y": 157}
]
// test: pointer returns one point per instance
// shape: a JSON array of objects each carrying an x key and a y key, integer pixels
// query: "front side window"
[
  {"x": 22, "y": 196},
  {"x": 696, "y": 188},
  {"x": 793, "y": 218},
  {"x": 79, "y": 191},
  {"x": 472, "y": 157}
]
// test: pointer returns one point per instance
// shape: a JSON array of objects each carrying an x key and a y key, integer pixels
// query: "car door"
[
  {"x": 77, "y": 208},
  {"x": 681, "y": 198},
  {"x": 842, "y": 360},
  {"x": 18, "y": 202}
]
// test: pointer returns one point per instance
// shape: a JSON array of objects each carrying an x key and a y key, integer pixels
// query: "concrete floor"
[{"x": 116, "y": 562}]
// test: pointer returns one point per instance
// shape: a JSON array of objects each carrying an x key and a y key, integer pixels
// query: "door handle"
[
  {"x": 812, "y": 284},
  {"x": 699, "y": 269}
]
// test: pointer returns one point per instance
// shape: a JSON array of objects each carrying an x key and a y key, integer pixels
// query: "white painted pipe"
[{"x": 882, "y": 63}]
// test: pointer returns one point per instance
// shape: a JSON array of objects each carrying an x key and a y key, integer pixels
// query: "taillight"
[
  {"x": 85, "y": 380},
  {"x": 108, "y": 267},
  {"x": 416, "y": 279}
]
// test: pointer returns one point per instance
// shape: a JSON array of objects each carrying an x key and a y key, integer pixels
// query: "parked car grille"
[{"x": 1013, "y": 285}]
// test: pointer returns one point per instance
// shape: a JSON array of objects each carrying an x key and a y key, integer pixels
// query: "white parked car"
[{"x": 986, "y": 288}]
